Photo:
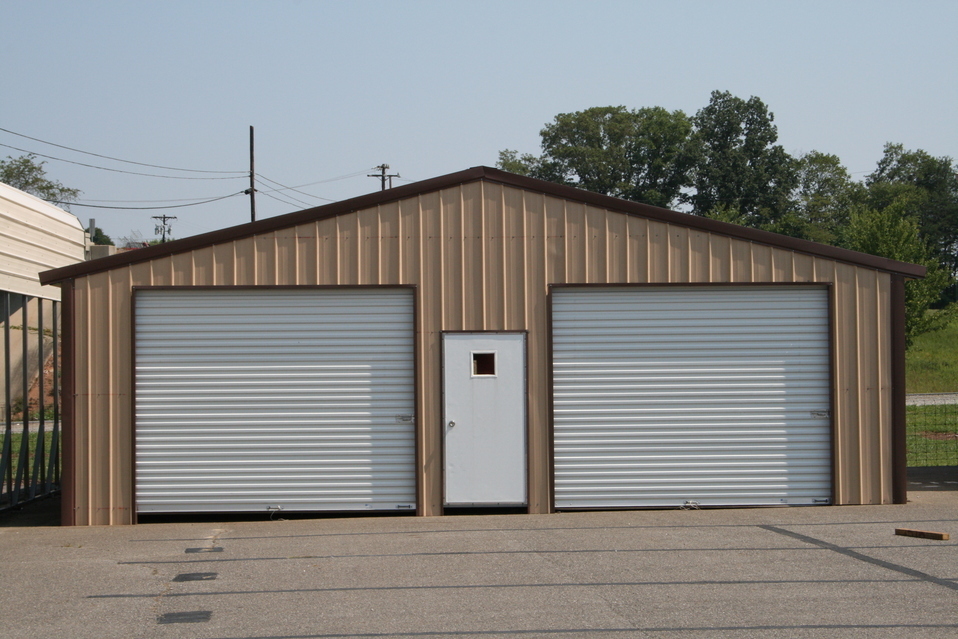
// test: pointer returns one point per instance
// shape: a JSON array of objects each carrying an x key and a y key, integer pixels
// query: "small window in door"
[{"x": 484, "y": 364}]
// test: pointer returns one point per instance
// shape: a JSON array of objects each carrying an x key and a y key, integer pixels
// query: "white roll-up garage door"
[
  {"x": 686, "y": 396},
  {"x": 298, "y": 399}
]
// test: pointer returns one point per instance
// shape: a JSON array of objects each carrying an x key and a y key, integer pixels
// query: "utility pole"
[
  {"x": 382, "y": 175},
  {"x": 164, "y": 226},
  {"x": 251, "y": 191}
]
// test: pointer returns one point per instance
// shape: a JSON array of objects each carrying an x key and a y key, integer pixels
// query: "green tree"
[
  {"x": 641, "y": 155},
  {"x": 823, "y": 196},
  {"x": 99, "y": 237},
  {"x": 726, "y": 213},
  {"x": 525, "y": 164},
  {"x": 738, "y": 164},
  {"x": 933, "y": 181},
  {"x": 27, "y": 174},
  {"x": 893, "y": 232}
]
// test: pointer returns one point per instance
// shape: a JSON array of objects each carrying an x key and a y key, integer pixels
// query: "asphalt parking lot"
[{"x": 782, "y": 572}]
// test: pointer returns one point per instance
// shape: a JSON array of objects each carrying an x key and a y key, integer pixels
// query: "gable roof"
[{"x": 490, "y": 175}]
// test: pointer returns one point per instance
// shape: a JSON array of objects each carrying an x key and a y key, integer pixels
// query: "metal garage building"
[
  {"x": 479, "y": 339},
  {"x": 34, "y": 236}
]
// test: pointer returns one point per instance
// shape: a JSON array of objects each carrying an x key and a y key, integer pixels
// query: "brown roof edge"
[
  {"x": 260, "y": 226},
  {"x": 709, "y": 225},
  {"x": 472, "y": 175}
]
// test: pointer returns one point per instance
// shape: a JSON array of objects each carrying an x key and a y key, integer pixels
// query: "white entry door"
[{"x": 484, "y": 418}]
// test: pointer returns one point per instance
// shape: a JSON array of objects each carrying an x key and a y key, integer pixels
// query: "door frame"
[
  {"x": 418, "y": 430},
  {"x": 442, "y": 407}
]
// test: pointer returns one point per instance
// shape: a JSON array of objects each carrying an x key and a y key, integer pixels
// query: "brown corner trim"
[
  {"x": 418, "y": 406},
  {"x": 134, "y": 507},
  {"x": 68, "y": 512},
  {"x": 833, "y": 391},
  {"x": 898, "y": 438},
  {"x": 550, "y": 409}
]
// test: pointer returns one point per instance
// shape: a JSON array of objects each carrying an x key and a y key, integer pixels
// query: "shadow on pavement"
[
  {"x": 43, "y": 512},
  {"x": 46, "y": 512},
  {"x": 933, "y": 478}
]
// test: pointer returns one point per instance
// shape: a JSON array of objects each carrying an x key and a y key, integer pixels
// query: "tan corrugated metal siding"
[
  {"x": 482, "y": 255},
  {"x": 34, "y": 236}
]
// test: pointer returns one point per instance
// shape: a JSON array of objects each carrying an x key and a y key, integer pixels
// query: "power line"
[
  {"x": 283, "y": 187},
  {"x": 107, "y": 157},
  {"x": 146, "y": 208},
  {"x": 286, "y": 202},
  {"x": 103, "y": 168},
  {"x": 334, "y": 179},
  {"x": 326, "y": 181},
  {"x": 183, "y": 199},
  {"x": 262, "y": 177},
  {"x": 190, "y": 201}
]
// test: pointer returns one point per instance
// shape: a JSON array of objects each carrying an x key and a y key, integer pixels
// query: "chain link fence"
[{"x": 932, "y": 429}]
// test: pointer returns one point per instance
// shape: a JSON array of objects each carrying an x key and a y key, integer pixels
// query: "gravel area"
[{"x": 930, "y": 399}]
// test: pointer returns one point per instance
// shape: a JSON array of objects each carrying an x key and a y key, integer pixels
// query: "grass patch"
[
  {"x": 15, "y": 441},
  {"x": 931, "y": 364},
  {"x": 932, "y": 435},
  {"x": 16, "y": 409}
]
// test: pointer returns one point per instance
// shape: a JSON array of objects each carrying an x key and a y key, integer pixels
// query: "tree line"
[{"x": 724, "y": 163}]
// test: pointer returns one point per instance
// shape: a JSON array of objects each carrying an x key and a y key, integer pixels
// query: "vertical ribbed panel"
[
  {"x": 715, "y": 395},
  {"x": 249, "y": 399},
  {"x": 482, "y": 256}
]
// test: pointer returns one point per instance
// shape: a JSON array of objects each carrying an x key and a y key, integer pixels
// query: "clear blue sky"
[{"x": 335, "y": 88}]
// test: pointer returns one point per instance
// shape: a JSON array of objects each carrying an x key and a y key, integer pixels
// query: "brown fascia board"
[
  {"x": 705, "y": 224},
  {"x": 260, "y": 226},
  {"x": 472, "y": 175}
]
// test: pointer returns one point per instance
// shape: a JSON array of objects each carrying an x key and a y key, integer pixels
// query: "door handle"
[{"x": 451, "y": 424}]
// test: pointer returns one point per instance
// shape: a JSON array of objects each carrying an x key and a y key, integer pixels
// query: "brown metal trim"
[
  {"x": 705, "y": 224},
  {"x": 264, "y": 226},
  {"x": 493, "y": 332},
  {"x": 472, "y": 175},
  {"x": 525, "y": 374},
  {"x": 419, "y": 432},
  {"x": 685, "y": 284},
  {"x": 442, "y": 404},
  {"x": 442, "y": 423},
  {"x": 133, "y": 506},
  {"x": 271, "y": 287},
  {"x": 68, "y": 497},
  {"x": 550, "y": 411},
  {"x": 833, "y": 385},
  {"x": 899, "y": 455}
]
